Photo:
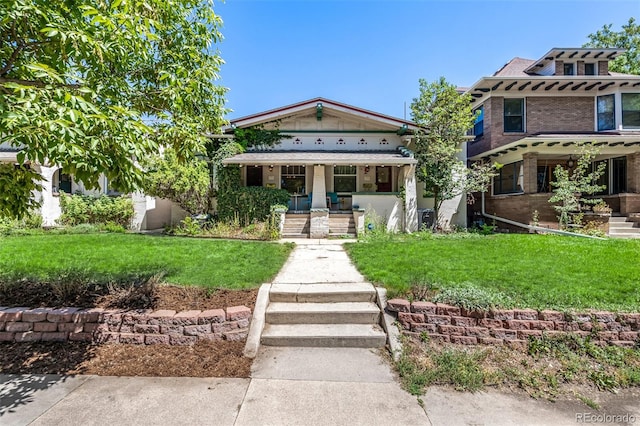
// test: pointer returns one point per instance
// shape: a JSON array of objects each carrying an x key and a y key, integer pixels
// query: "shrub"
[
  {"x": 249, "y": 204},
  {"x": 84, "y": 209}
]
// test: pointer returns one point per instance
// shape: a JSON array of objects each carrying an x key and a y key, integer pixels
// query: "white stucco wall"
[{"x": 387, "y": 206}]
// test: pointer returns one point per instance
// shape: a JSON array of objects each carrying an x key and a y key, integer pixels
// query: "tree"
[
  {"x": 187, "y": 183},
  {"x": 628, "y": 38},
  {"x": 571, "y": 185},
  {"x": 94, "y": 85},
  {"x": 446, "y": 116}
]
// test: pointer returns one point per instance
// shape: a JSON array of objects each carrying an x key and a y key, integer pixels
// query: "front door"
[
  {"x": 383, "y": 179},
  {"x": 254, "y": 176}
]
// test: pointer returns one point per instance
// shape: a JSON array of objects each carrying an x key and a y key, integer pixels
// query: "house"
[
  {"x": 340, "y": 162},
  {"x": 150, "y": 212},
  {"x": 532, "y": 115}
]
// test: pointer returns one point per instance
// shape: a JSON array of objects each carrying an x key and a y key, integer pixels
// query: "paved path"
[{"x": 289, "y": 386}]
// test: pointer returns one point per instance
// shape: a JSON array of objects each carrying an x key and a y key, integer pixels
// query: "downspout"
[{"x": 533, "y": 228}]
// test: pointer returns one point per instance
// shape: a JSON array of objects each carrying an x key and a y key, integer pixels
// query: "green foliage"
[
  {"x": 249, "y": 204},
  {"x": 84, "y": 209},
  {"x": 93, "y": 86},
  {"x": 571, "y": 185},
  {"x": 628, "y": 38},
  {"x": 16, "y": 186},
  {"x": 26, "y": 225},
  {"x": 258, "y": 136},
  {"x": 446, "y": 116},
  {"x": 187, "y": 183},
  {"x": 471, "y": 297}
]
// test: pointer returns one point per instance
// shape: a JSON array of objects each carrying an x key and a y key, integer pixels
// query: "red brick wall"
[
  {"x": 543, "y": 114},
  {"x": 113, "y": 326},
  {"x": 511, "y": 327}
]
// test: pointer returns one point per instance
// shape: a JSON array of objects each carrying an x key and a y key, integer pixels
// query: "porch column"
[
  {"x": 633, "y": 172},
  {"x": 530, "y": 172},
  {"x": 319, "y": 199},
  {"x": 50, "y": 208},
  {"x": 410, "y": 199}
]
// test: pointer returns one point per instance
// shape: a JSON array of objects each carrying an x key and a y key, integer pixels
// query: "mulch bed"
[{"x": 204, "y": 359}]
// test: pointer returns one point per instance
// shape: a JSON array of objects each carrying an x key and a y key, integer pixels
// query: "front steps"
[
  {"x": 342, "y": 224},
  {"x": 324, "y": 315},
  {"x": 623, "y": 227},
  {"x": 296, "y": 226}
]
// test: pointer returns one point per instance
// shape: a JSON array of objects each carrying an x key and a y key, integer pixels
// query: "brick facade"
[
  {"x": 543, "y": 115},
  {"x": 130, "y": 327}
]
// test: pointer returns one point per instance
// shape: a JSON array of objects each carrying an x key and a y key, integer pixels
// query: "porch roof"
[
  {"x": 614, "y": 142},
  {"x": 321, "y": 157}
]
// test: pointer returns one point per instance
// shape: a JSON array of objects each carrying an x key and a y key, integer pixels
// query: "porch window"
[
  {"x": 293, "y": 179},
  {"x": 603, "y": 180},
  {"x": 631, "y": 110},
  {"x": 514, "y": 115},
  {"x": 344, "y": 179},
  {"x": 478, "y": 127},
  {"x": 618, "y": 175},
  {"x": 509, "y": 179},
  {"x": 606, "y": 113}
]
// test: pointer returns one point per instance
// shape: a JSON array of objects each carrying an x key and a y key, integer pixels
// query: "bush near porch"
[{"x": 506, "y": 270}]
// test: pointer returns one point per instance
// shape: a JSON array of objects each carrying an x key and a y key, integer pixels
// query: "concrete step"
[
  {"x": 624, "y": 230},
  {"x": 323, "y": 313},
  {"x": 625, "y": 236},
  {"x": 623, "y": 225},
  {"x": 324, "y": 335},
  {"x": 322, "y": 293}
]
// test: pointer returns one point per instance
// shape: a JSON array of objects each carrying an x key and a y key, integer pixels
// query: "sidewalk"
[{"x": 289, "y": 386}]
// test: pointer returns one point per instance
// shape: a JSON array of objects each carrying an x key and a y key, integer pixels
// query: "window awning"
[{"x": 387, "y": 158}]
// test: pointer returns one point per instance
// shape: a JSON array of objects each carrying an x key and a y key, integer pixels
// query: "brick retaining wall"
[
  {"x": 512, "y": 327},
  {"x": 117, "y": 326}
]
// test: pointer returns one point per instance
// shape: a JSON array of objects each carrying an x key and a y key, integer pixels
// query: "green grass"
[
  {"x": 186, "y": 261},
  {"x": 537, "y": 271}
]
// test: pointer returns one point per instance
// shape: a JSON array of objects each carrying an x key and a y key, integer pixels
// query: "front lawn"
[
  {"x": 186, "y": 261},
  {"x": 536, "y": 271}
]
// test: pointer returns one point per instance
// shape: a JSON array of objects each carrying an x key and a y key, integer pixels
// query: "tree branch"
[{"x": 35, "y": 83}]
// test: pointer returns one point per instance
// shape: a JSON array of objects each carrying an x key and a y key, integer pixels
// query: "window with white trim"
[
  {"x": 293, "y": 179},
  {"x": 344, "y": 178},
  {"x": 631, "y": 110},
  {"x": 606, "y": 112}
]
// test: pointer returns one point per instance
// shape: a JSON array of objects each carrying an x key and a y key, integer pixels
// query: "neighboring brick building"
[{"x": 534, "y": 112}]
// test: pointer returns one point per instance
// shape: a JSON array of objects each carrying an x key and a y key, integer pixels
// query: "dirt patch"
[{"x": 205, "y": 359}]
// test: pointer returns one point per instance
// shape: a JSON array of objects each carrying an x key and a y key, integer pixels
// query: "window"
[
  {"x": 606, "y": 113},
  {"x": 344, "y": 178},
  {"x": 509, "y": 179},
  {"x": 603, "y": 180},
  {"x": 478, "y": 127},
  {"x": 545, "y": 175},
  {"x": 568, "y": 69},
  {"x": 618, "y": 175},
  {"x": 631, "y": 110},
  {"x": 590, "y": 69},
  {"x": 293, "y": 179},
  {"x": 514, "y": 115}
]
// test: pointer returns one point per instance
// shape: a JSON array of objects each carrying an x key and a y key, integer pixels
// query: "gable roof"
[{"x": 313, "y": 105}]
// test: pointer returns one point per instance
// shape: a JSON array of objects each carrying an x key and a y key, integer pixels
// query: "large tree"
[
  {"x": 446, "y": 117},
  {"x": 94, "y": 85},
  {"x": 628, "y": 38}
]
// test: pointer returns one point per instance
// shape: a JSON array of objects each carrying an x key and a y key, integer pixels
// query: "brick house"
[{"x": 532, "y": 115}]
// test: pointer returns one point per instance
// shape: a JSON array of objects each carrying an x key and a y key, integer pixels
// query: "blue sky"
[{"x": 370, "y": 53}]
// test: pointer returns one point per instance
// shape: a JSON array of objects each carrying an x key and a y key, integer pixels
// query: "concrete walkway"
[{"x": 289, "y": 386}]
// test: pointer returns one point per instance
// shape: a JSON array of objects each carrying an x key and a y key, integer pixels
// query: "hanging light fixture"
[{"x": 570, "y": 162}]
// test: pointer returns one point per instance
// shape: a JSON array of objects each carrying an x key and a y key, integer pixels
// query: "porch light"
[
  {"x": 271, "y": 167},
  {"x": 570, "y": 162}
]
